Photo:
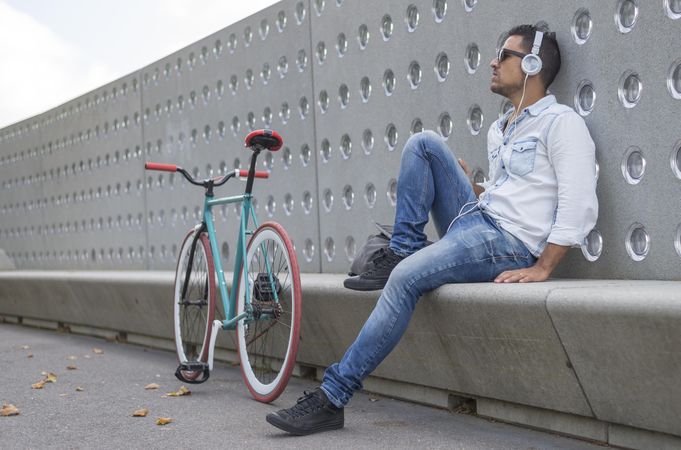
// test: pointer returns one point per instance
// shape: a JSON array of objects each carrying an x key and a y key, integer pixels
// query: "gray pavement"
[{"x": 219, "y": 413}]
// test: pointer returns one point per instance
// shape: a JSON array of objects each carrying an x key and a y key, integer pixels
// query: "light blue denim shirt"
[{"x": 542, "y": 176}]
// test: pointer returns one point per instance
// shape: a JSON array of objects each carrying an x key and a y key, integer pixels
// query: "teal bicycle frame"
[
  {"x": 229, "y": 299},
  {"x": 247, "y": 211}
]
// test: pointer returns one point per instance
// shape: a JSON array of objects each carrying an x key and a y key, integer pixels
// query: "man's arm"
[{"x": 548, "y": 261}]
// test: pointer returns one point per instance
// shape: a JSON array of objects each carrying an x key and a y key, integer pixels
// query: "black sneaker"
[
  {"x": 311, "y": 414},
  {"x": 377, "y": 276}
]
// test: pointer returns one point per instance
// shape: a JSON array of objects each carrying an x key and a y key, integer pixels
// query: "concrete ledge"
[
  {"x": 624, "y": 343},
  {"x": 109, "y": 335},
  {"x": 628, "y": 437},
  {"x": 10, "y": 319},
  {"x": 406, "y": 391},
  {"x": 39, "y": 323},
  {"x": 568, "y": 424},
  {"x": 485, "y": 340},
  {"x": 571, "y": 356}
]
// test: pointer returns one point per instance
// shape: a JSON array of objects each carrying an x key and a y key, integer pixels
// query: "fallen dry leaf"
[
  {"x": 50, "y": 377},
  {"x": 25, "y": 347},
  {"x": 71, "y": 367},
  {"x": 97, "y": 351},
  {"x": 152, "y": 386},
  {"x": 9, "y": 410},
  {"x": 163, "y": 420},
  {"x": 180, "y": 392},
  {"x": 79, "y": 389},
  {"x": 30, "y": 355},
  {"x": 140, "y": 413}
]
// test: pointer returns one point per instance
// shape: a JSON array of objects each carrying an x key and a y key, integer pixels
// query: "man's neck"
[{"x": 531, "y": 97}]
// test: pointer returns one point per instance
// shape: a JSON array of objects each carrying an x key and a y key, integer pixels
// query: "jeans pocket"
[{"x": 522, "y": 157}]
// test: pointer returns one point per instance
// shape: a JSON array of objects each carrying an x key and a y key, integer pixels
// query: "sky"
[{"x": 53, "y": 51}]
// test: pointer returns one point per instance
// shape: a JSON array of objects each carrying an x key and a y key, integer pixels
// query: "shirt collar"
[
  {"x": 541, "y": 105},
  {"x": 535, "y": 109},
  {"x": 501, "y": 123}
]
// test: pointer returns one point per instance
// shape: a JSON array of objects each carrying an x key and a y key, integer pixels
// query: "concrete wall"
[{"x": 346, "y": 82}]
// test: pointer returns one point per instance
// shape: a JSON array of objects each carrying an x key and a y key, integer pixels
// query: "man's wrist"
[{"x": 546, "y": 270}]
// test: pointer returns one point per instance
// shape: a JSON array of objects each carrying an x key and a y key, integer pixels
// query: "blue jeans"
[{"x": 474, "y": 249}]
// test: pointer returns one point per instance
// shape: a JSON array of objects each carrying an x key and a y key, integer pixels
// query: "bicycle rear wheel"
[
  {"x": 267, "y": 339},
  {"x": 194, "y": 301}
]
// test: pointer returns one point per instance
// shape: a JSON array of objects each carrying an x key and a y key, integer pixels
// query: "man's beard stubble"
[{"x": 506, "y": 90}]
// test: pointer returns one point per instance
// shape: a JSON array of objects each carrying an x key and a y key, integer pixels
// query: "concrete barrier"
[
  {"x": 594, "y": 359},
  {"x": 625, "y": 345}
]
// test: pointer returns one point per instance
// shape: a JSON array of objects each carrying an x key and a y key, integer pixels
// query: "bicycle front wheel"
[
  {"x": 194, "y": 302},
  {"x": 270, "y": 294}
]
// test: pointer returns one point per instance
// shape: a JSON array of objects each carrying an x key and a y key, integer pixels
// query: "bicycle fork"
[{"x": 217, "y": 325}]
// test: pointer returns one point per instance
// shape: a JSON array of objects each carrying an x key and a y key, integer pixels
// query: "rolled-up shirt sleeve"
[{"x": 573, "y": 155}]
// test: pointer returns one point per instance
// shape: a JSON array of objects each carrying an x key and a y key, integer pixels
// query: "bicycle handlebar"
[
  {"x": 258, "y": 173},
  {"x": 217, "y": 181},
  {"x": 159, "y": 166}
]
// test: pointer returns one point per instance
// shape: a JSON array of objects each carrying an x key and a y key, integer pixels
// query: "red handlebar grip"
[
  {"x": 258, "y": 173},
  {"x": 159, "y": 166}
]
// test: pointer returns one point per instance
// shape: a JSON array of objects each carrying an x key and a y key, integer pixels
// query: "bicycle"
[{"x": 264, "y": 302}]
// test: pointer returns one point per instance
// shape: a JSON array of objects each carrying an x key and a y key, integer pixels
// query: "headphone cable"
[{"x": 520, "y": 105}]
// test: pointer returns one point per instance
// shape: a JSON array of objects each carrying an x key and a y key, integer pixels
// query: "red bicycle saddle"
[{"x": 267, "y": 139}]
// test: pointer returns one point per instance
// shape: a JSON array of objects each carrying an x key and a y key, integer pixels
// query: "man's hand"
[
  {"x": 465, "y": 168},
  {"x": 548, "y": 261},
  {"x": 477, "y": 189},
  {"x": 529, "y": 275}
]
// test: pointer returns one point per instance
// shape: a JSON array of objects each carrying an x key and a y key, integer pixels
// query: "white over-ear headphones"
[{"x": 531, "y": 63}]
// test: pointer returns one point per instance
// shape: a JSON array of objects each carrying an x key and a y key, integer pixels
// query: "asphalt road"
[{"x": 217, "y": 414}]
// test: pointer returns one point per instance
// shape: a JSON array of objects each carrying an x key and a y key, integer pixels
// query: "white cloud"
[
  {"x": 193, "y": 20},
  {"x": 42, "y": 69}
]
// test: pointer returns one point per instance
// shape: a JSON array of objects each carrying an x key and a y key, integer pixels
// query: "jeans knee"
[
  {"x": 399, "y": 293},
  {"x": 426, "y": 140},
  {"x": 401, "y": 278},
  {"x": 399, "y": 275}
]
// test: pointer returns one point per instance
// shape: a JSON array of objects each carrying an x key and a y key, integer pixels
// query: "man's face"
[{"x": 507, "y": 76}]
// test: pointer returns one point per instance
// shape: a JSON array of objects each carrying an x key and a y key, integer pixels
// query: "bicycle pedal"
[
  {"x": 193, "y": 367},
  {"x": 262, "y": 289}
]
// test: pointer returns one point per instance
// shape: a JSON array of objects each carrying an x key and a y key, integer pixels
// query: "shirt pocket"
[{"x": 522, "y": 157}]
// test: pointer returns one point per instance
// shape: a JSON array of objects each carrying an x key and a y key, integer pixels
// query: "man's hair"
[{"x": 549, "y": 52}]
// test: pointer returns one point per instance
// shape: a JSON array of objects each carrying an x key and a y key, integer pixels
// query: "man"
[{"x": 539, "y": 201}]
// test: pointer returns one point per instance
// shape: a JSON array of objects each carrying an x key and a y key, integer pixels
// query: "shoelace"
[
  {"x": 384, "y": 259},
  {"x": 306, "y": 404}
]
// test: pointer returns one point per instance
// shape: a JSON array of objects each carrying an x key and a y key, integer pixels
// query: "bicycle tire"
[
  {"x": 268, "y": 345},
  {"x": 193, "y": 315}
]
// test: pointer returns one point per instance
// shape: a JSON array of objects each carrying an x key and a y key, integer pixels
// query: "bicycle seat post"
[{"x": 251, "y": 170}]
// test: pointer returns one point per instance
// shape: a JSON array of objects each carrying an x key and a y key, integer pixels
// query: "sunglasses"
[{"x": 505, "y": 53}]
